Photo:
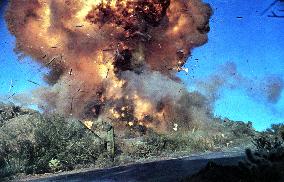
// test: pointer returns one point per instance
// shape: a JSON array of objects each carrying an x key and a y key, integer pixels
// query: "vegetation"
[
  {"x": 35, "y": 144},
  {"x": 31, "y": 143},
  {"x": 266, "y": 164}
]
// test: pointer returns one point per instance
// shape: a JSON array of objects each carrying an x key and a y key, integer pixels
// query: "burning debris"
[
  {"x": 133, "y": 16},
  {"x": 123, "y": 53}
]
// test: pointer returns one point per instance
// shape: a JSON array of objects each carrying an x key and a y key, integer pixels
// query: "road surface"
[{"x": 158, "y": 171}]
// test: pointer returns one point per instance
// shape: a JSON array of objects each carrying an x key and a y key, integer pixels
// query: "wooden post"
[{"x": 110, "y": 142}]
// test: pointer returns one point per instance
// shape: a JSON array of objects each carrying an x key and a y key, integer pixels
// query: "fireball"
[{"x": 123, "y": 54}]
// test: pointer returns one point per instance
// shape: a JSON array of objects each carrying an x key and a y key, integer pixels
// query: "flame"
[
  {"x": 130, "y": 123},
  {"x": 142, "y": 107},
  {"x": 102, "y": 42},
  {"x": 88, "y": 124}
]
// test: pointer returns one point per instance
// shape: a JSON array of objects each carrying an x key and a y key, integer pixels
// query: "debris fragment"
[
  {"x": 11, "y": 85},
  {"x": 71, "y": 104},
  {"x": 175, "y": 127},
  {"x": 114, "y": 48},
  {"x": 33, "y": 82},
  {"x": 107, "y": 73},
  {"x": 53, "y": 59},
  {"x": 105, "y": 50},
  {"x": 11, "y": 96},
  {"x": 79, "y": 26}
]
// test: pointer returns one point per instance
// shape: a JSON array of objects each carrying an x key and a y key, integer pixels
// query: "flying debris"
[
  {"x": 53, "y": 59},
  {"x": 185, "y": 70},
  {"x": 105, "y": 50},
  {"x": 11, "y": 85},
  {"x": 34, "y": 82},
  {"x": 11, "y": 96},
  {"x": 79, "y": 26},
  {"x": 107, "y": 73},
  {"x": 175, "y": 127},
  {"x": 125, "y": 54}
]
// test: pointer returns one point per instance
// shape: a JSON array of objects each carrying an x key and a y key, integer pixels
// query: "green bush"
[
  {"x": 68, "y": 142},
  {"x": 277, "y": 130},
  {"x": 54, "y": 165},
  {"x": 271, "y": 139},
  {"x": 154, "y": 145},
  {"x": 104, "y": 161},
  {"x": 52, "y": 138},
  {"x": 31, "y": 143}
]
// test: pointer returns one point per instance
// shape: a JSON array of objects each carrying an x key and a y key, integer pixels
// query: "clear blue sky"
[{"x": 253, "y": 43}]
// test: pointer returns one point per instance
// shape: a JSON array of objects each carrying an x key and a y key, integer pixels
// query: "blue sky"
[
  {"x": 14, "y": 72},
  {"x": 253, "y": 43}
]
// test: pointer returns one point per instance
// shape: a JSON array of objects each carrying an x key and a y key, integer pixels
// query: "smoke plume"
[
  {"x": 266, "y": 90},
  {"x": 114, "y": 59}
]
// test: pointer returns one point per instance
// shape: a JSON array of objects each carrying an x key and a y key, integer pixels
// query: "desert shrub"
[
  {"x": 202, "y": 144},
  {"x": 239, "y": 129},
  {"x": 68, "y": 142},
  {"x": 154, "y": 144},
  {"x": 16, "y": 144},
  {"x": 10, "y": 111},
  {"x": 271, "y": 139},
  {"x": 123, "y": 159},
  {"x": 276, "y": 130},
  {"x": 266, "y": 143},
  {"x": 53, "y": 138},
  {"x": 104, "y": 160},
  {"x": 159, "y": 142},
  {"x": 266, "y": 164},
  {"x": 181, "y": 141}
]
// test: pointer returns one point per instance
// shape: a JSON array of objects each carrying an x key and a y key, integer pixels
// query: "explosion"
[{"x": 114, "y": 60}]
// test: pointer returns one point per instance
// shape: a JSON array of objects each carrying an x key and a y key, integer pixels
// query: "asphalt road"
[{"x": 159, "y": 171}]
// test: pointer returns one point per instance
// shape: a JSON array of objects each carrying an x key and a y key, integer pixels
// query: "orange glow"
[
  {"x": 102, "y": 52},
  {"x": 89, "y": 124}
]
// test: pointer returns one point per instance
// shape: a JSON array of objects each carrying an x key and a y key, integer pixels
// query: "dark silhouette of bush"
[{"x": 266, "y": 164}]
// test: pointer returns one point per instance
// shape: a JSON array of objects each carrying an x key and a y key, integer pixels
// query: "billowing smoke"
[
  {"x": 266, "y": 90},
  {"x": 114, "y": 59}
]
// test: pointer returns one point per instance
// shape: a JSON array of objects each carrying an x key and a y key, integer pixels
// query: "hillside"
[{"x": 35, "y": 143}]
